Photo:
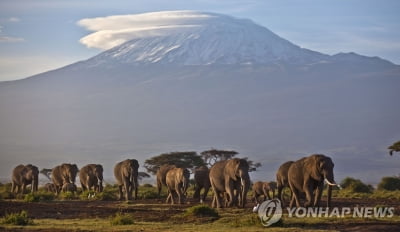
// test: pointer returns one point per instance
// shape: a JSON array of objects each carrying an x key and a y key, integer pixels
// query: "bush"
[
  {"x": 38, "y": 196},
  {"x": 389, "y": 183},
  {"x": 356, "y": 186},
  {"x": 31, "y": 197},
  {"x": 20, "y": 219},
  {"x": 67, "y": 195},
  {"x": 121, "y": 219},
  {"x": 201, "y": 211}
]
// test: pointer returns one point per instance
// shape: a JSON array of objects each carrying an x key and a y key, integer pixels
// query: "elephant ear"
[
  {"x": 232, "y": 168},
  {"x": 314, "y": 165}
]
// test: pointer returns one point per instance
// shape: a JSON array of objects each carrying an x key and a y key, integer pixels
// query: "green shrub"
[
  {"x": 355, "y": 186},
  {"x": 389, "y": 183},
  {"x": 107, "y": 195},
  {"x": 201, "y": 211},
  {"x": 121, "y": 219},
  {"x": 31, "y": 197},
  {"x": 39, "y": 196},
  {"x": 67, "y": 196},
  {"x": 20, "y": 219}
]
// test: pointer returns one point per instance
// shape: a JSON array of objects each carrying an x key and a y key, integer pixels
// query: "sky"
[{"x": 41, "y": 35}]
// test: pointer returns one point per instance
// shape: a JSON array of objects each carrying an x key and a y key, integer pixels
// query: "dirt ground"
[{"x": 157, "y": 210}]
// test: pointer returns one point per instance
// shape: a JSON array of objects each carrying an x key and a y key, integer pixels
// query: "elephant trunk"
[
  {"x": 35, "y": 183},
  {"x": 245, "y": 184},
  {"x": 328, "y": 202},
  {"x": 100, "y": 183}
]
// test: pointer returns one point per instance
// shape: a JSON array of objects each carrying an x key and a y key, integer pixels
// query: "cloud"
[
  {"x": 8, "y": 39},
  {"x": 114, "y": 30},
  {"x": 14, "y": 19}
]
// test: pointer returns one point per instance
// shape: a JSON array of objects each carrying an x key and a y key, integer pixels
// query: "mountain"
[
  {"x": 215, "y": 39},
  {"x": 209, "y": 81}
]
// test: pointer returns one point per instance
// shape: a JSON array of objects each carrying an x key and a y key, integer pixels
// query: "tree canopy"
[
  {"x": 187, "y": 159},
  {"x": 395, "y": 147},
  {"x": 212, "y": 156},
  {"x": 190, "y": 159}
]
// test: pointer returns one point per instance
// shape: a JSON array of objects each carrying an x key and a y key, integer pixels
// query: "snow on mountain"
[{"x": 201, "y": 39}]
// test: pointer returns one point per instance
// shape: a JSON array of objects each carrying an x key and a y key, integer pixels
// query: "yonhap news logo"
[{"x": 271, "y": 211}]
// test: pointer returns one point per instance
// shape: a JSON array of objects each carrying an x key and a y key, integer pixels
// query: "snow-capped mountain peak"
[{"x": 197, "y": 38}]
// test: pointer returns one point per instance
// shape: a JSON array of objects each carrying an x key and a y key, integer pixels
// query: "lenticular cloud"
[{"x": 112, "y": 31}]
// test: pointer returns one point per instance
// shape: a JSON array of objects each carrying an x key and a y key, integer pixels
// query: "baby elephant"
[
  {"x": 263, "y": 188},
  {"x": 69, "y": 187},
  {"x": 50, "y": 187}
]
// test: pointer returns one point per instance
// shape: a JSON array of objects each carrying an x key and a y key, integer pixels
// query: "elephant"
[
  {"x": 50, "y": 187},
  {"x": 126, "y": 174},
  {"x": 24, "y": 175},
  {"x": 69, "y": 187},
  {"x": 263, "y": 188},
  {"x": 230, "y": 176},
  {"x": 161, "y": 175},
  {"x": 90, "y": 176},
  {"x": 177, "y": 180},
  {"x": 282, "y": 178},
  {"x": 202, "y": 180},
  {"x": 307, "y": 175},
  {"x": 64, "y": 173}
]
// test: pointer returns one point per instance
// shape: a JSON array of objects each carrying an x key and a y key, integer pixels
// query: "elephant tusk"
[{"x": 332, "y": 184}]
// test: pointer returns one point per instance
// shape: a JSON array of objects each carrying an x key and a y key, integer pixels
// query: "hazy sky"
[{"x": 39, "y": 35}]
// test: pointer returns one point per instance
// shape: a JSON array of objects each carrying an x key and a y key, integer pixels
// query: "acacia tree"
[
  {"x": 212, "y": 156},
  {"x": 187, "y": 159},
  {"x": 395, "y": 147}
]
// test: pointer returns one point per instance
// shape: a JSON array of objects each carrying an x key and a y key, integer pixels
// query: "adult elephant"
[
  {"x": 230, "y": 176},
  {"x": 24, "y": 175},
  {"x": 307, "y": 175},
  {"x": 64, "y": 173},
  {"x": 126, "y": 174},
  {"x": 161, "y": 175},
  {"x": 262, "y": 189},
  {"x": 202, "y": 181},
  {"x": 90, "y": 176},
  {"x": 282, "y": 178},
  {"x": 177, "y": 181}
]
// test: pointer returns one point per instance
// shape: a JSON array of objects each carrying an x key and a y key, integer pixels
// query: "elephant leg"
[
  {"x": 279, "y": 195},
  {"x": 328, "y": 200},
  {"x": 206, "y": 189},
  {"x": 120, "y": 192},
  {"x": 23, "y": 188},
  {"x": 168, "y": 197},
  {"x": 136, "y": 190},
  {"x": 159, "y": 187},
  {"x": 217, "y": 197},
  {"x": 229, "y": 188},
  {"x": 196, "y": 194},
  {"x": 309, "y": 196},
  {"x": 318, "y": 194},
  {"x": 84, "y": 188},
  {"x": 128, "y": 190},
  {"x": 13, "y": 187},
  {"x": 266, "y": 194},
  {"x": 295, "y": 198}
]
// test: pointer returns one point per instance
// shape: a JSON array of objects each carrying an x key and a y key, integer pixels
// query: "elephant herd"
[{"x": 229, "y": 180}]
